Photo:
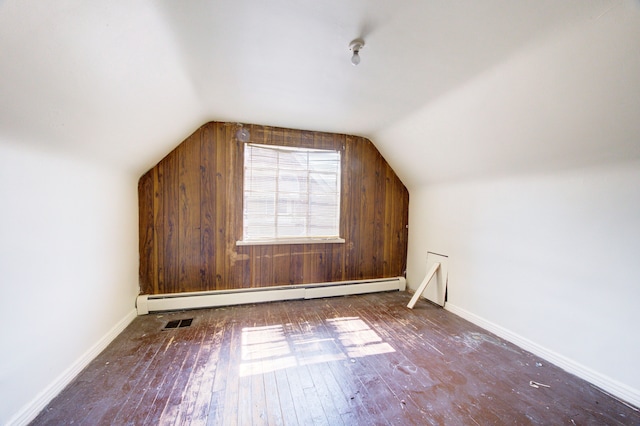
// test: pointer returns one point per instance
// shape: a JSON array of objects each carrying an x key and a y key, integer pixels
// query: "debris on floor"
[{"x": 537, "y": 385}]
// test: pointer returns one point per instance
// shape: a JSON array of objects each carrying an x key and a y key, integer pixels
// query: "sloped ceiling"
[{"x": 446, "y": 89}]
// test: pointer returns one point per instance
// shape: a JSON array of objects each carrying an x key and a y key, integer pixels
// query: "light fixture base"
[{"x": 356, "y": 45}]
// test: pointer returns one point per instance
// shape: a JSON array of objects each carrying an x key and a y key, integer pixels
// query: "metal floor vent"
[{"x": 182, "y": 323}]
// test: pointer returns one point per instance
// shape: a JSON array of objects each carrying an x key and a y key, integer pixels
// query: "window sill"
[{"x": 280, "y": 241}]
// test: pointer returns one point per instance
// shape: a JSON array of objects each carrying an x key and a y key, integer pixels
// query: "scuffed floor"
[{"x": 348, "y": 360}]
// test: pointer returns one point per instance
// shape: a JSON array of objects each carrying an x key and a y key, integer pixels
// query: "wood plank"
[
  {"x": 281, "y": 408},
  {"x": 159, "y": 229},
  {"x": 189, "y": 250},
  {"x": 223, "y": 372},
  {"x": 241, "y": 274},
  {"x": 321, "y": 350},
  {"x": 147, "y": 270},
  {"x": 378, "y": 261},
  {"x": 366, "y": 216},
  {"x": 390, "y": 222},
  {"x": 314, "y": 264},
  {"x": 359, "y": 408},
  {"x": 350, "y": 205},
  {"x": 187, "y": 379},
  {"x": 222, "y": 259},
  {"x": 178, "y": 354},
  {"x": 171, "y": 207},
  {"x": 194, "y": 407},
  {"x": 138, "y": 356},
  {"x": 296, "y": 264},
  {"x": 281, "y": 261},
  {"x": 400, "y": 373},
  {"x": 208, "y": 189},
  {"x": 262, "y": 269},
  {"x": 231, "y": 403}
]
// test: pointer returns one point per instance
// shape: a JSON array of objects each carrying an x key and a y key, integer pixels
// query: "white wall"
[
  {"x": 550, "y": 259},
  {"x": 68, "y": 269},
  {"x": 569, "y": 100}
]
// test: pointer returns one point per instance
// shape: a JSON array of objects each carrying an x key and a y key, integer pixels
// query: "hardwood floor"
[{"x": 347, "y": 360}]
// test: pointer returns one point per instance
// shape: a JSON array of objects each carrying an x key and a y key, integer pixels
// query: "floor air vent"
[{"x": 178, "y": 323}]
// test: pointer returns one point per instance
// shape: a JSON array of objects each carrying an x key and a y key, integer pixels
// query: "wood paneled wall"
[{"x": 191, "y": 217}]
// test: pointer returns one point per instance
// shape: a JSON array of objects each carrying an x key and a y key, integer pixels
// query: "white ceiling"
[{"x": 446, "y": 89}]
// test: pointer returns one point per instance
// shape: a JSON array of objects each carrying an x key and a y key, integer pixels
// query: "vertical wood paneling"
[
  {"x": 189, "y": 241},
  {"x": 311, "y": 261},
  {"x": 296, "y": 271},
  {"x": 146, "y": 235},
  {"x": 262, "y": 256},
  {"x": 389, "y": 219},
  {"x": 222, "y": 255},
  {"x": 403, "y": 231},
  {"x": 208, "y": 189},
  {"x": 281, "y": 263},
  {"x": 159, "y": 228},
  {"x": 339, "y": 254},
  {"x": 379, "y": 186},
  {"x": 241, "y": 267},
  {"x": 191, "y": 217},
  {"x": 350, "y": 213},
  {"x": 367, "y": 210},
  {"x": 171, "y": 200}
]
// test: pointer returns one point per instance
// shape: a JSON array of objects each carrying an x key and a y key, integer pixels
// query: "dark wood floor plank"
[
  {"x": 232, "y": 382},
  {"x": 280, "y": 406},
  {"x": 289, "y": 387},
  {"x": 301, "y": 405},
  {"x": 275, "y": 350},
  {"x": 254, "y": 345},
  {"x": 223, "y": 369},
  {"x": 342, "y": 384},
  {"x": 194, "y": 407},
  {"x": 404, "y": 375},
  {"x": 287, "y": 406},
  {"x": 201, "y": 407},
  {"x": 187, "y": 382},
  {"x": 304, "y": 347},
  {"x": 272, "y": 399},
  {"x": 443, "y": 382},
  {"x": 372, "y": 391},
  {"x": 143, "y": 394},
  {"x": 332, "y": 412},
  {"x": 176, "y": 374},
  {"x": 258, "y": 399},
  {"x": 325, "y": 352},
  {"x": 346, "y": 360},
  {"x": 379, "y": 358},
  {"x": 100, "y": 375}
]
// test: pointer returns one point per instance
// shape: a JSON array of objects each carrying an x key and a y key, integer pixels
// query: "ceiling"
[{"x": 446, "y": 90}]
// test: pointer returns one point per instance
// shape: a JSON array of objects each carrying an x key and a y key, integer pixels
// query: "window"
[{"x": 290, "y": 195}]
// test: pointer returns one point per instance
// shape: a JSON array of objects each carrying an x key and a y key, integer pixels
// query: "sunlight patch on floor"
[{"x": 276, "y": 347}]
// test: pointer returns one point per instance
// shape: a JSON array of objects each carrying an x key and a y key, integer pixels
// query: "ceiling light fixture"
[{"x": 355, "y": 47}]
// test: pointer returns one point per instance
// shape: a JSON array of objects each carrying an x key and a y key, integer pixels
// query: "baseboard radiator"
[{"x": 209, "y": 299}]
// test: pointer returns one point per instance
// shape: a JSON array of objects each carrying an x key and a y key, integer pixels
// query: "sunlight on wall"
[{"x": 276, "y": 347}]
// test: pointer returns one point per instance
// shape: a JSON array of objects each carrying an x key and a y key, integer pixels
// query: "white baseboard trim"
[
  {"x": 29, "y": 412},
  {"x": 626, "y": 394}
]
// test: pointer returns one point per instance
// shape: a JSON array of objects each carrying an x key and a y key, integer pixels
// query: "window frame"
[{"x": 292, "y": 240}]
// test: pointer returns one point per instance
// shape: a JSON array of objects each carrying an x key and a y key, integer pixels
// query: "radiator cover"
[{"x": 208, "y": 299}]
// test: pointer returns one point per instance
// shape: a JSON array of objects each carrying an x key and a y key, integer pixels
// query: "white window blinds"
[{"x": 290, "y": 193}]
